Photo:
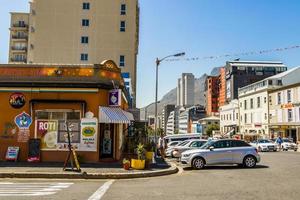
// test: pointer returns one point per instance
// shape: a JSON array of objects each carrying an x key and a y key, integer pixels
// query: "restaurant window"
[{"x": 58, "y": 114}]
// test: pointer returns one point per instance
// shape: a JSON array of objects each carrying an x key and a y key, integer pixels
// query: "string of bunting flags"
[{"x": 235, "y": 54}]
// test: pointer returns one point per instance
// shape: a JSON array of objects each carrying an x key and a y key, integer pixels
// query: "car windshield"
[
  {"x": 264, "y": 141},
  {"x": 286, "y": 140},
  {"x": 207, "y": 144},
  {"x": 183, "y": 143}
]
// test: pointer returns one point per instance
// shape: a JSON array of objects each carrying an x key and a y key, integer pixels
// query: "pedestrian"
[
  {"x": 161, "y": 146},
  {"x": 279, "y": 142}
]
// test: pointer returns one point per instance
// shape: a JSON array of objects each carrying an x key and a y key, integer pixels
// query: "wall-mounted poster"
[
  {"x": 23, "y": 122},
  {"x": 47, "y": 130},
  {"x": 89, "y": 132},
  {"x": 114, "y": 97}
]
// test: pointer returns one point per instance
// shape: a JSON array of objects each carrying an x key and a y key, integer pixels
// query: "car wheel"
[
  {"x": 295, "y": 149},
  {"x": 249, "y": 162},
  {"x": 198, "y": 163}
]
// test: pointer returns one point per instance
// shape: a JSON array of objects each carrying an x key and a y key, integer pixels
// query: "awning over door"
[{"x": 114, "y": 116}]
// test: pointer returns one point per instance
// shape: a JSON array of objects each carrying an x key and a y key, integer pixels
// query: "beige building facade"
[
  {"x": 78, "y": 32},
  {"x": 285, "y": 112}
]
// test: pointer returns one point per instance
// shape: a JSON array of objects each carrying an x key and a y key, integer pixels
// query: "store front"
[
  {"x": 286, "y": 131},
  {"x": 46, "y": 102}
]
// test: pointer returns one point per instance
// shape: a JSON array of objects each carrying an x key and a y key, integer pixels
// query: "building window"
[
  {"x": 265, "y": 99},
  {"x": 251, "y": 103},
  {"x": 84, "y": 57},
  {"x": 122, "y": 26},
  {"x": 84, "y": 40},
  {"x": 278, "y": 98},
  {"x": 245, "y": 104},
  {"x": 122, "y": 61},
  {"x": 258, "y": 102},
  {"x": 123, "y": 9},
  {"x": 245, "y": 118},
  {"x": 237, "y": 116},
  {"x": 85, "y": 22},
  {"x": 289, "y": 96},
  {"x": 290, "y": 115},
  {"x": 85, "y": 6}
]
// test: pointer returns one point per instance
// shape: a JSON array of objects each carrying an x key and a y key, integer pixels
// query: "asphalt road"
[{"x": 276, "y": 177}]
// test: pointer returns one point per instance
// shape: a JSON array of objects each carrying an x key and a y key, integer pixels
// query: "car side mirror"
[{"x": 211, "y": 148}]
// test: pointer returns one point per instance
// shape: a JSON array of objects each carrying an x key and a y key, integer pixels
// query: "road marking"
[
  {"x": 31, "y": 189},
  {"x": 101, "y": 191}
]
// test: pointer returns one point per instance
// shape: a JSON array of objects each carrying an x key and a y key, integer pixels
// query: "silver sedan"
[{"x": 226, "y": 151}]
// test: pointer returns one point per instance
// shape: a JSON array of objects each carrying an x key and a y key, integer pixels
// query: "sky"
[{"x": 199, "y": 28}]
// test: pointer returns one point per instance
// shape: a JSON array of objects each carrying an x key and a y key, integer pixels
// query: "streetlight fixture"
[{"x": 158, "y": 61}]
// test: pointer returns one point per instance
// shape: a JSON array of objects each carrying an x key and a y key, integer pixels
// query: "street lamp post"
[{"x": 158, "y": 61}]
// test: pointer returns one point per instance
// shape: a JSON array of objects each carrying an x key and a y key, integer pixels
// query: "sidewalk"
[{"x": 88, "y": 171}]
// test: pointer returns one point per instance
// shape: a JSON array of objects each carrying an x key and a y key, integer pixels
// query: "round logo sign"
[{"x": 17, "y": 100}]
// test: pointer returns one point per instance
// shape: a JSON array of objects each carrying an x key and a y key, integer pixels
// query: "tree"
[{"x": 210, "y": 128}]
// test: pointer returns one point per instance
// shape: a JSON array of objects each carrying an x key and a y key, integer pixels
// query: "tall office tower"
[
  {"x": 78, "y": 32},
  {"x": 185, "y": 90}
]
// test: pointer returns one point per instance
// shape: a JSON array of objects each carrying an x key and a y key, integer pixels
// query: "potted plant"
[
  {"x": 140, "y": 162},
  {"x": 150, "y": 151},
  {"x": 126, "y": 164}
]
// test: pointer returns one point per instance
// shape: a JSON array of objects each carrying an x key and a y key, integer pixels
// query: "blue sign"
[{"x": 23, "y": 120}]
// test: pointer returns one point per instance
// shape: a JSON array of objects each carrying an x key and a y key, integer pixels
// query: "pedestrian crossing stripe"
[{"x": 31, "y": 189}]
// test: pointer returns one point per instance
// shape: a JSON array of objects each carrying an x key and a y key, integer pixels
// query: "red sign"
[{"x": 17, "y": 100}]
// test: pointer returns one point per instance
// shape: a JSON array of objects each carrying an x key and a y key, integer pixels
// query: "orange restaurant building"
[{"x": 37, "y": 101}]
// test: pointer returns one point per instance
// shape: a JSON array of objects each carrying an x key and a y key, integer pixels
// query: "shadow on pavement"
[
  {"x": 226, "y": 167},
  {"x": 160, "y": 164}
]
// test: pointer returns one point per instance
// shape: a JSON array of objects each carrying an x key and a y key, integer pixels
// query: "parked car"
[
  {"x": 288, "y": 144},
  {"x": 173, "y": 143},
  {"x": 170, "y": 149},
  {"x": 191, "y": 144},
  {"x": 224, "y": 151},
  {"x": 264, "y": 145}
]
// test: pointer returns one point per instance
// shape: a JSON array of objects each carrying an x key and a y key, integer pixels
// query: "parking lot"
[{"x": 277, "y": 177}]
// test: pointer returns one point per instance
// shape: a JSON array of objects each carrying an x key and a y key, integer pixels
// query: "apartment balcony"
[
  {"x": 18, "y": 60},
  {"x": 19, "y": 49},
  {"x": 20, "y": 37},
  {"x": 19, "y": 27}
]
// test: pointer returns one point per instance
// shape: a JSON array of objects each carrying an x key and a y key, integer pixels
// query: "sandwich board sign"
[{"x": 12, "y": 153}]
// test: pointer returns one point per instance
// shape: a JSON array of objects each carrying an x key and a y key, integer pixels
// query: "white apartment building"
[
  {"x": 254, "y": 103},
  {"x": 183, "y": 122},
  {"x": 171, "y": 123},
  {"x": 229, "y": 118},
  {"x": 185, "y": 90}
]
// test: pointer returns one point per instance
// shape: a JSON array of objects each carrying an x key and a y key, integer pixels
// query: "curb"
[{"x": 84, "y": 175}]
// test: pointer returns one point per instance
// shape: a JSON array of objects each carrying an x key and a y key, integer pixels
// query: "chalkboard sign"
[{"x": 34, "y": 150}]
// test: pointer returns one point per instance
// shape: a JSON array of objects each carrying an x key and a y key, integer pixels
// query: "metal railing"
[{"x": 19, "y": 48}]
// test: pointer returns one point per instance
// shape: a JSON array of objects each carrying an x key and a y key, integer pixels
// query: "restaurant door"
[{"x": 106, "y": 141}]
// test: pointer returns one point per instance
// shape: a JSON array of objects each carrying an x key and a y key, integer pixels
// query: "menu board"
[{"x": 12, "y": 153}]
